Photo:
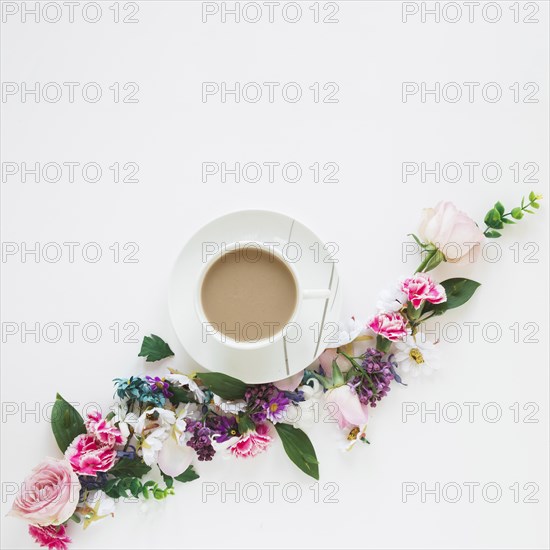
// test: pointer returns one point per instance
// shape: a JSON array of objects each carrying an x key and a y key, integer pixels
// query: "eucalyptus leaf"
[
  {"x": 517, "y": 214},
  {"x": 493, "y": 219},
  {"x": 500, "y": 207},
  {"x": 492, "y": 234},
  {"x": 299, "y": 449},
  {"x": 66, "y": 423}
]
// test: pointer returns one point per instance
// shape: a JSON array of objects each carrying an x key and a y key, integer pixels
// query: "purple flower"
[
  {"x": 224, "y": 426},
  {"x": 374, "y": 383},
  {"x": 159, "y": 384},
  {"x": 276, "y": 407},
  {"x": 200, "y": 440},
  {"x": 265, "y": 401}
]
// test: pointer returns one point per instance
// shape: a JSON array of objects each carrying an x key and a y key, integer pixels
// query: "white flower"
[
  {"x": 348, "y": 331},
  {"x": 154, "y": 426},
  {"x": 124, "y": 421},
  {"x": 165, "y": 439},
  {"x": 176, "y": 377},
  {"x": 155, "y": 420},
  {"x": 415, "y": 355},
  {"x": 392, "y": 299},
  {"x": 302, "y": 415}
]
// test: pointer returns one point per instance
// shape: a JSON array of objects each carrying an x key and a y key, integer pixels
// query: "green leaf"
[
  {"x": 66, "y": 423},
  {"x": 458, "y": 290},
  {"x": 420, "y": 244},
  {"x": 168, "y": 480},
  {"x": 492, "y": 219},
  {"x": 135, "y": 487},
  {"x": 188, "y": 475},
  {"x": 508, "y": 220},
  {"x": 245, "y": 423},
  {"x": 535, "y": 205},
  {"x": 154, "y": 348},
  {"x": 337, "y": 376},
  {"x": 180, "y": 395},
  {"x": 517, "y": 214},
  {"x": 382, "y": 344},
  {"x": 299, "y": 449},
  {"x": 492, "y": 234},
  {"x": 225, "y": 386},
  {"x": 500, "y": 207},
  {"x": 126, "y": 467},
  {"x": 532, "y": 196},
  {"x": 435, "y": 259},
  {"x": 75, "y": 517}
]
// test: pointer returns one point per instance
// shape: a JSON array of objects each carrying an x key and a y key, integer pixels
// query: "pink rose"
[
  {"x": 453, "y": 232},
  {"x": 51, "y": 537},
  {"x": 421, "y": 288},
  {"x": 392, "y": 326},
  {"x": 49, "y": 496},
  {"x": 350, "y": 412},
  {"x": 252, "y": 443},
  {"x": 102, "y": 430},
  {"x": 87, "y": 456}
]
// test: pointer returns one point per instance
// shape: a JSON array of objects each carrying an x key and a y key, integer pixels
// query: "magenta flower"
[
  {"x": 392, "y": 326},
  {"x": 88, "y": 457},
  {"x": 252, "y": 443},
  {"x": 103, "y": 431},
  {"x": 51, "y": 536},
  {"x": 422, "y": 288}
]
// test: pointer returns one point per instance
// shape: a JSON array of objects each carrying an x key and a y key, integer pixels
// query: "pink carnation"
[
  {"x": 102, "y": 430},
  {"x": 421, "y": 288},
  {"x": 252, "y": 443},
  {"x": 392, "y": 326},
  {"x": 50, "y": 536},
  {"x": 87, "y": 456}
]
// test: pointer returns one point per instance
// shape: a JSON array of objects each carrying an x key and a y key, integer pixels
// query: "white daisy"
[{"x": 416, "y": 355}]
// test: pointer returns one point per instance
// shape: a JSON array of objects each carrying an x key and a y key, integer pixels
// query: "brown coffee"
[{"x": 248, "y": 294}]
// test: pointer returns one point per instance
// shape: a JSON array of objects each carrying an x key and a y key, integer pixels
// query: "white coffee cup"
[{"x": 211, "y": 331}]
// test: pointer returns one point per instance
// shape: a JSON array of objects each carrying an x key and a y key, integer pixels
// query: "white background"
[{"x": 370, "y": 132}]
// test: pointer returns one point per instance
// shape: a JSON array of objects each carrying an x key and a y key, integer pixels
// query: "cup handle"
[{"x": 316, "y": 293}]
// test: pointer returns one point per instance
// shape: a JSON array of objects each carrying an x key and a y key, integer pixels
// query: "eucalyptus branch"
[{"x": 497, "y": 218}]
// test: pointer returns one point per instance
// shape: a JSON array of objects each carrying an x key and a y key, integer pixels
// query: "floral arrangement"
[{"x": 162, "y": 424}]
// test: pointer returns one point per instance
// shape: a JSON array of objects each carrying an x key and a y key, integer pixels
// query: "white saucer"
[{"x": 316, "y": 269}]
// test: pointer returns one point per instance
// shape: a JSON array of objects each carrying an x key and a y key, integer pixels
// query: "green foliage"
[
  {"x": 496, "y": 218},
  {"x": 223, "y": 385},
  {"x": 154, "y": 348},
  {"x": 180, "y": 395},
  {"x": 458, "y": 290},
  {"x": 244, "y": 423},
  {"x": 66, "y": 423},
  {"x": 299, "y": 449},
  {"x": 126, "y": 486},
  {"x": 127, "y": 467},
  {"x": 188, "y": 475}
]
